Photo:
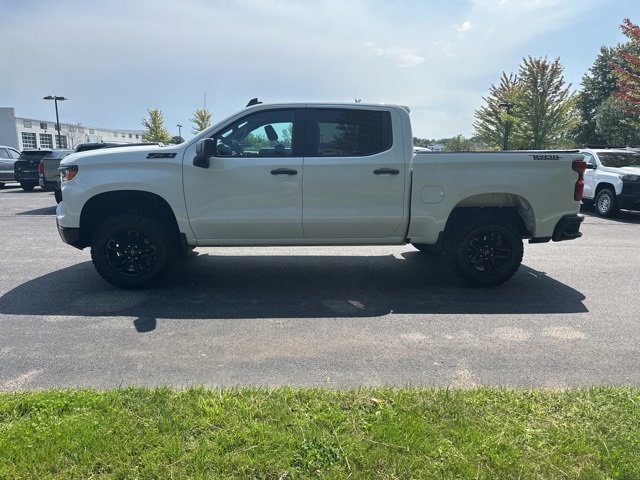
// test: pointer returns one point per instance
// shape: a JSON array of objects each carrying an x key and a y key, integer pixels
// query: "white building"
[{"x": 31, "y": 134}]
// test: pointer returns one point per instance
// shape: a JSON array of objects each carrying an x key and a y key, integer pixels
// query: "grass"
[{"x": 289, "y": 433}]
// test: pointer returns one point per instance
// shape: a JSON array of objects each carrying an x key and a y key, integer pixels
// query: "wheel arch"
[
  {"x": 105, "y": 205},
  {"x": 512, "y": 208},
  {"x": 603, "y": 185}
]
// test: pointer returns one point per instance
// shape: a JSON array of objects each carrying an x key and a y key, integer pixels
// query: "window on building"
[
  {"x": 123, "y": 135},
  {"x": 80, "y": 129},
  {"x": 91, "y": 131},
  {"x": 137, "y": 136},
  {"x": 72, "y": 129},
  {"x": 29, "y": 141},
  {"x": 26, "y": 123},
  {"x": 43, "y": 125},
  {"x": 130, "y": 135},
  {"x": 46, "y": 140},
  {"x": 61, "y": 141}
]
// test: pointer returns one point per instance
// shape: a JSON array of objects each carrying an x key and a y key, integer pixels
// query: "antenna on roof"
[{"x": 253, "y": 101}]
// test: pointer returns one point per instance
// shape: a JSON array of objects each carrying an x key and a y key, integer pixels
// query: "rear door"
[{"x": 354, "y": 174}]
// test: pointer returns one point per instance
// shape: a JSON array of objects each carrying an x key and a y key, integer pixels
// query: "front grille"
[{"x": 630, "y": 187}]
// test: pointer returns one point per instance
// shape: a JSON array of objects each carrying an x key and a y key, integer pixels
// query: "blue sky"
[{"x": 114, "y": 59}]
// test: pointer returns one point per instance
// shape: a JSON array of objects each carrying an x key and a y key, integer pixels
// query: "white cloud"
[
  {"x": 400, "y": 57},
  {"x": 115, "y": 59}
]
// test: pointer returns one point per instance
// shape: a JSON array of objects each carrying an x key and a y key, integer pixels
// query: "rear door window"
[{"x": 347, "y": 132}]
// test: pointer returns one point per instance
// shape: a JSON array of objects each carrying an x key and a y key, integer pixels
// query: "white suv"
[{"x": 612, "y": 180}]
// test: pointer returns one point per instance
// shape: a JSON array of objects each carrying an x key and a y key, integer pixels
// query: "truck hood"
[
  {"x": 629, "y": 170},
  {"x": 114, "y": 154}
]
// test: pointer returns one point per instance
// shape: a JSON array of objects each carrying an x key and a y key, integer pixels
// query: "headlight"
[
  {"x": 631, "y": 178},
  {"x": 68, "y": 173}
]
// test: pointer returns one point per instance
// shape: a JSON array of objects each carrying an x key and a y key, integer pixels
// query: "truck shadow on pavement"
[{"x": 234, "y": 287}]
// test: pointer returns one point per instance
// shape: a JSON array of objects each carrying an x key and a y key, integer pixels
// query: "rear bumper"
[{"x": 568, "y": 228}]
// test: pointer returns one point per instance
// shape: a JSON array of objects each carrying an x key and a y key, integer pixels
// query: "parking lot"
[{"x": 335, "y": 317}]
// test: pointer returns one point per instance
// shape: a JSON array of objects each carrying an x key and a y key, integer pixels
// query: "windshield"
[{"x": 619, "y": 159}]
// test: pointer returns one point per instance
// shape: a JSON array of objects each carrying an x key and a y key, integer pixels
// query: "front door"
[{"x": 251, "y": 191}]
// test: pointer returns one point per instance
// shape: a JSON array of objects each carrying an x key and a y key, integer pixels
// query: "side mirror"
[
  {"x": 591, "y": 166},
  {"x": 205, "y": 149}
]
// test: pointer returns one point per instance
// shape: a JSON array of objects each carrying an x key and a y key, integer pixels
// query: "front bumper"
[
  {"x": 629, "y": 198},
  {"x": 568, "y": 228},
  {"x": 70, "y": 235}
]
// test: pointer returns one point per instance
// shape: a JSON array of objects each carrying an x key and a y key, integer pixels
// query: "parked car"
[
  {"x": 25, "y": 168},
  {"x": 8, "y": 156},
  {"x": 611, "y": 180},
  {"x": 49, "y": 181}
]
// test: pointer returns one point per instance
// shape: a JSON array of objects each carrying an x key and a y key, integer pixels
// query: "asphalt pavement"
[{"x": 316, "y": 316}]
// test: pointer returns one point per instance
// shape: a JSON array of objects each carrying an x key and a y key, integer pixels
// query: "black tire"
[
  {"x": 58, "y": 195},
  {"x": 606, "y": 203},
  {"x": 484, "y": 252},
  {"x": 424, "y": 248},
  {"x": 133, "y": 251},
  {"x": 28, "y": 186}
]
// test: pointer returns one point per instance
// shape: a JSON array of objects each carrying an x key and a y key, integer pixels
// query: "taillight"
[
  {"x": 41, "y": 168},
  {"x": 579, "y": 166}
]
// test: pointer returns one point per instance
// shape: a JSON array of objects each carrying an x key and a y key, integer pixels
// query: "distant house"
[
  {"x": 438, "y": 147},
  {"x": 32, "y": 134}
]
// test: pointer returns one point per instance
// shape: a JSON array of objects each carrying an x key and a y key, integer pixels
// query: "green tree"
[
  {"x": 628, "y": 74},
  {"x": 496, "y": 119},
  {"x": 615, "y": 125},
  {"x": 201, "y": 120},
  {"x": 597, "y": 86},
  {"x": 458, "y": 144},
  {"x": 154, "y": 127},
  {"x": 544, "y": 105}
]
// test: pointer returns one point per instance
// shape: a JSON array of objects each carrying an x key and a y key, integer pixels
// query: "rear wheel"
[
  {"x": 606, "y": 203},
  {"x": 58, "y": 195},
  {"x": 484, "y": 252},
  {"x": 28, "y": 186},
  {"x": 133, "y": 251}
]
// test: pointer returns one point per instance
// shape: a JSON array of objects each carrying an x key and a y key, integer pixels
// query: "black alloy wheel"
[
  {"x": 133, "y": 251},
  {"x": 486, "y": 252}
]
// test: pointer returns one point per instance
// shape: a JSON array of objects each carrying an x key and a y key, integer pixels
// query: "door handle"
[
  {"x": 284, "y": 171},
  {"x": 386, "y": 171}
]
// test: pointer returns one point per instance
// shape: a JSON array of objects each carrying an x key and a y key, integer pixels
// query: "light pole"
[
  {"x": 179, "y": 130},
  {"x": 506, "y": 106},
  {"x": 55, "y": 99}
]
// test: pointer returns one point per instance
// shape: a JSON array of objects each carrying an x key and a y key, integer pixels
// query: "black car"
[{"x": 25, "y": 169}]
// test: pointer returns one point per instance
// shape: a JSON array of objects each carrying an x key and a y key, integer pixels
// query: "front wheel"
[
  {"x": 606, "y": 203},
  {"x": 485, "y": 252},
  {"x": 58, "y": 195},
  {"x": 133, "y": 251}
]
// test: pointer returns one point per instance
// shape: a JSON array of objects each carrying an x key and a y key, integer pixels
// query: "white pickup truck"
[
  {"x": 315, "y": 174},
  {"x": 612, "y": 180}
]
